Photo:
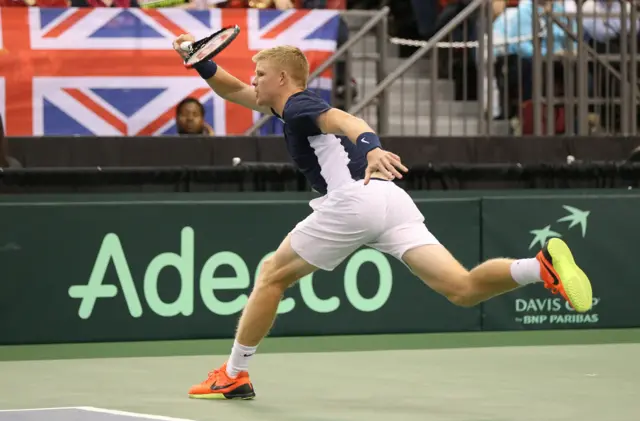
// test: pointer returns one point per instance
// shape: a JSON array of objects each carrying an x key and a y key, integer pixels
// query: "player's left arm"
[{"x": 339, "y": 122}]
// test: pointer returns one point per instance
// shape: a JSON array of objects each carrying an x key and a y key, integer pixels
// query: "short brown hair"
[{"x": 289, "y": 57}]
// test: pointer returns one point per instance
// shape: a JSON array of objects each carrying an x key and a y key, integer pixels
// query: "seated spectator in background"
[
  {"x": 604, "y": 34},
  {"x": 513, "y": 29},
  {"x": 604, "y": 29},
  {"x": 514, "y": 50},
  {"x": 190, "y": 118},
  {"x": 426, "y": 12},
  {"x": 6, "y": 161},
  {"x": 450, "y": 8}
]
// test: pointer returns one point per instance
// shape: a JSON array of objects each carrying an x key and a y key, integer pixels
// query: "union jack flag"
[{"x": 110, "y": 71}]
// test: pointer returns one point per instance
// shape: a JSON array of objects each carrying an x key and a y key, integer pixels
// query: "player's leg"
[
  {"x": 444, "y": 274},
  {"x": 322, "y": 241},
  {"x": 408, "y": 239},
  {"x": 554, "y": 266},
  {"x": 278, "y": 272}
]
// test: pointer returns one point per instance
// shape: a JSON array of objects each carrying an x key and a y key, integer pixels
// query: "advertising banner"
[
  {"x": 173, "y": 269},
  {"x": 602, "y": 233}
]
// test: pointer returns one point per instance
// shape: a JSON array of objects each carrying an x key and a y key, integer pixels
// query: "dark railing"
[
  {"x": 198, "y": 151},
  {"x": 270, "y": 177}
]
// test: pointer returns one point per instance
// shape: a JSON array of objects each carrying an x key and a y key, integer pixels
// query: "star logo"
[
  {"x": 576, "y": 217},
  {"x": 541, "y": 236}
]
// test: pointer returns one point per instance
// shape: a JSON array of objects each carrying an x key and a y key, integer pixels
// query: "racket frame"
[{"x": 194, "y": 48}]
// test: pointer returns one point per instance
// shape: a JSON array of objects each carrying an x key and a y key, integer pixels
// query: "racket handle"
[{"x": 186, "y": 45}]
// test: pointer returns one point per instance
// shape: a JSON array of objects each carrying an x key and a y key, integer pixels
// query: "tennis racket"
[
  {"x": 207, "y": 48},
  {"x": 156, "y": 4}
]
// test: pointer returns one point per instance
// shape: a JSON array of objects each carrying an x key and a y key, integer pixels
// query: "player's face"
[{"x": 266, "y": 82}]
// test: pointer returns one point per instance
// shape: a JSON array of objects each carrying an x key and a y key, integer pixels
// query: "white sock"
[
  {"x": 526, "y": 271},
  {"x": 239, "y": 359}
]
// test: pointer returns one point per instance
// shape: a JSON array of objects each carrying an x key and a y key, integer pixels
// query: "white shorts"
[{"x": 380, "y": 215}]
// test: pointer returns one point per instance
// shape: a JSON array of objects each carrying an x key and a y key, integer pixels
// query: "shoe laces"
[{"x": 212, "y": 375}]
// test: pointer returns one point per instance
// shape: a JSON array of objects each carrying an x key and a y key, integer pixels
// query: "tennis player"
[{"x": 360, "y": 205}]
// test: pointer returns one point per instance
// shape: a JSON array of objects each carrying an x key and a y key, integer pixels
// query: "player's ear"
[{"x": 283, "y": 77}]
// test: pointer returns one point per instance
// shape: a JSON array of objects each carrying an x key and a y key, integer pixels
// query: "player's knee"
[
  {"x": 266, "y": 273},
  {"x": 463, "y": 300},
  {"x": 269, "y": 276},
  {"x": 460, "y": 292}
]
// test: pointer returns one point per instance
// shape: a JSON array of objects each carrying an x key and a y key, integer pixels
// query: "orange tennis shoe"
[
  {"x": 220, "y": 386},
  {"x": 562, "y": 275}
]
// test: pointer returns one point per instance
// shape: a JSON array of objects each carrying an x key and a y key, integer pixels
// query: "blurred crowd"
[{"x": 608, "y": 37}]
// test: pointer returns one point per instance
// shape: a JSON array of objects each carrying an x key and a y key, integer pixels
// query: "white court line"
[
  {"x": 131, "y": 414},
  {"x": 39, "y": 409},
  {"x": 105, "y": 411}
]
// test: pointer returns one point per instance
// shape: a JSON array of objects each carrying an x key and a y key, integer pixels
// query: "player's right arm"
[
  {"x": 226, "y": 85},
  {"x": 232, "y": 89}
]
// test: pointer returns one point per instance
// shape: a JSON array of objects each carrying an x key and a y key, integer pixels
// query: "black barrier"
[
  {"x": 79, "y": 268},
  {"x": 81, "y": 151},
  {"x": 260, "y": 177}
]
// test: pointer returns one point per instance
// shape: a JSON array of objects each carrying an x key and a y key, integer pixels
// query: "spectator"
[
  {"x": 450, "y": 8},
  {"x": 190, "y": 118},
  {"x": 463, "y": 32},
  {"x": 426, "y": 12},
  {"x": 603, "y": 29},
  {"x": 514, "y": 50},
  {"x": 604, "y": 34}
]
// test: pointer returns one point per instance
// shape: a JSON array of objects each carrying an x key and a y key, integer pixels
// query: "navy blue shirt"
[{"x": 326, "y": 160}]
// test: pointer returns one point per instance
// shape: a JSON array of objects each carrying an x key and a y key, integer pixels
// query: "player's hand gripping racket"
[{"x": 206, "y": 48}]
